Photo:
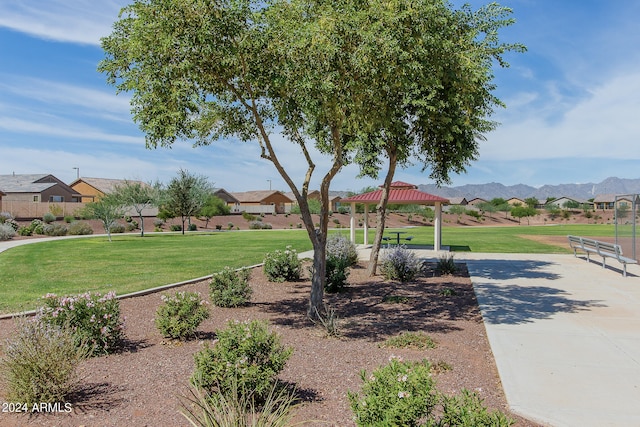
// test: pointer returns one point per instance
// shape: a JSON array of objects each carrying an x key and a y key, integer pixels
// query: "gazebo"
[{"x": 400, "y": 193}]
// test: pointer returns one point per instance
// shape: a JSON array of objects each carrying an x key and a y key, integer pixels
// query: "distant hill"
[{"x": 491, "y": 190}]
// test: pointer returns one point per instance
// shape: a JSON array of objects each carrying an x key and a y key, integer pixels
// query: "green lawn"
[
  {"x": 132, "y": 263},
  {"x": 129, "y": 263}
]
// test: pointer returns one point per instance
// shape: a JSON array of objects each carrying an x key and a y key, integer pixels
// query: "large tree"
[{"x": 319, "y": 72}]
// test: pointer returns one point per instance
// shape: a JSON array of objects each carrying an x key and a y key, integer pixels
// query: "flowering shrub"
[
  {"x": 39, "y": 363},
  {"x": 280, "y": 266},
  {"x": 338, "y": 246},
  {"x": 245, "y": 357},
  {"x": 93, "y": 318},
  {"x": 398, "y": 394},
  {"x": 6, "y": 232},
  {"x": 399, "y": 263},
  {"x": 230, "y": 288},
  {"x": 180, "y": 315}
]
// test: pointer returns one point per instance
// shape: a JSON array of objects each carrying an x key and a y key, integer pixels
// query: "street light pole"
[{"x": 269, "y": 184}]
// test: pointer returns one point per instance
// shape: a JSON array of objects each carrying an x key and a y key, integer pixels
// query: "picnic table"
[{"x": 397, "y": 236}]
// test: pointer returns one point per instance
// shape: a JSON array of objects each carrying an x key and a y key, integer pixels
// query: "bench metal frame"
[{"x": 603, "y": 249}]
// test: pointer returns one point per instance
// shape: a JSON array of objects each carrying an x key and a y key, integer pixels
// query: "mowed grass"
[
  {"x": 131, "y": 263},
  {"x": 128, "y": 263}
]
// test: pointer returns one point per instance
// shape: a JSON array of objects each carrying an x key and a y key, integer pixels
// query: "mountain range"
[{"x": 611, "y": 185}]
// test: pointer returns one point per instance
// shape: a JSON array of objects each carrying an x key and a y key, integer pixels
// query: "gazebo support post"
[
  {"x": 437, "y": 227},
  {"x": 366, "y": 224},
  {"x": 352, "y": 224}
]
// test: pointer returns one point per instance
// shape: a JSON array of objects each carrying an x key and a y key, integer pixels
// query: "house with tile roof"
[
  {"x": 94, "y": 188},
  {"x": 32, "y": 195},
  {"x": 262, "y": 201},
  {"x": 606, "y": 202}
]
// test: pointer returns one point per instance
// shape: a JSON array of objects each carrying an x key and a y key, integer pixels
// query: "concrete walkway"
[{"x": 565, "y": 335}]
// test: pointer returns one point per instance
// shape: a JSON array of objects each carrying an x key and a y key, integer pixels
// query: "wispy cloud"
[{"x": 77, "y": 21}]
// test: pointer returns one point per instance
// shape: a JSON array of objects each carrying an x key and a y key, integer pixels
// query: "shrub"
[
  {"x": 446, "y": 264},
  {"x": 80, "y": 228},
  {"x": 418, "y": 340},
  {"x": 6, "y": 232},
  {"x": 280, "y": 266},
  {"x": 117, "y": 228},
  {"x": 175, "y": 227},
  {"x": 158, "y": 223},
  {"x": 246, "y": 356},
  {"x": 399, "y": 263},
  {"x": 37, "y": 226},
  {"x": 131, "y": 226},
  {"x": 180, "y": 315},
  {"x": 55, "y": 230},
  {"x": 94, "y": 319},
  {"x": 48, "y": 218},
  {"x": 230, "y": 288},
  {"x": 397, "y": 394},
  {"x": 68, "y": 219},
  {"x": 337, "y": 273},
  {"x": 39, "y": 363},
  {"x": 259, "y": 225},
  {"x": 248, "y": 216},
  {"x": 329, "y": 320},
  {"x": 229, "y": 225},
  {"x": 25, "y": 231},
  {"x": 5, "y": 216},
  {"x": 338, "y": 246},
  {"x": 193, "y": 227},
  {"x": 467, "y": 410}
]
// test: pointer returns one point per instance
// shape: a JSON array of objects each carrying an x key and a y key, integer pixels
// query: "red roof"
[{"x": 400, "y": 192}]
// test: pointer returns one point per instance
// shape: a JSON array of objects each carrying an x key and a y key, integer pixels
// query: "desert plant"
[
  {"x": 329, "y": 320},
  {"x": 78, "y": 228},
  {"x": 175, "y": 227},
  {"x": 117, "y": 228},
  {"x": 280, "y": 266},
  {"x": 339, "y": 246},
  {"x": 337, "y": 274},
  {"x": 25, "y": 231},
  {"x": 69, "y": 219},
  {"x": 39, "y": 363},
  {"x": 399, "y": 263},
  {"x": 55, "y": 230},
  {"x": 245, "y": 356},
  {"x": 467, "y": 410},
  {"x": 238, "y": 408},
  {"x": 94, "y": 319},
  {"x": 193, "y": 227},
  {"x": 229, "y": 226},
  {"x": 230, "y": 288},
  {"x": 48, "y": 218},
  {"x": 446, "y": 264},
  {"x": 249, "y": 217},
  {"x": 397, "y": 394},
  {"x": 6, "y": 232},
  {"x": 418, "y": 340},
  {"x": 180, "y": 315}
]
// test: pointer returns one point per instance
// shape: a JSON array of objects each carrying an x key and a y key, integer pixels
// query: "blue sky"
[{"x": 572, "y": 100}]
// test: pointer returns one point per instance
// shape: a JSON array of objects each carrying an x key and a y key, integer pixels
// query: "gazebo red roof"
[{"x": 400, "y": 193}]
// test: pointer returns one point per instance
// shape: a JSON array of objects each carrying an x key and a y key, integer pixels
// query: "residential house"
[
  {"x": 334, "y": 200},
  {"x": 94, "y": 188},
  {"x": 265, "y": 201},
  {"x": 1, "y": 194},
  {"x": 227, "y": 197},
  {"x": 476, "y": 201},
  {"x": 608, "y": 201},
  {"x": 563, "y": 202},
  {"x": 515, "y": 201},
  {"x": 31, "y": 195},
  {"x": 462, "y": 201}
]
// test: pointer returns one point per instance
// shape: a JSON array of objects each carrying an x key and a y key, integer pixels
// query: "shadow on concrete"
[
  {"x": 514, "y": 304},
  {"x": 504, "y": 269}
]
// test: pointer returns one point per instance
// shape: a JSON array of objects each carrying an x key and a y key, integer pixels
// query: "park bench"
[{"x": 603, "y": 249}]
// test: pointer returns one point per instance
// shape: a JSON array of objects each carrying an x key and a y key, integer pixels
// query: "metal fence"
[{"x": 626, "y": 221}]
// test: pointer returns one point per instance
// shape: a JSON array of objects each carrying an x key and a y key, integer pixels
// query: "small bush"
[
  {"x": 37, "y": 226},
  {"x": 193, "y": 227},
  {"x": 25, "y": 231},
  {"x": 158, "y": 223},
  {"x": 280, "y": 266},
  {"x": 69, "y": 219},
  {"x": 249, "y": 217},
  {"x": 467, "y": 410},
  {"x": 338, "y": 246},
  {"x": 246, "y": 356},
  {"x": 48, "y": 218},
  {"x": 55, "y": 230},
  {"x": 95, "y": 319},
  {"x": 399, "y": 263},
  {"x": 131, "y": 226},
  {"x": 259, "y": 225},
  {"x": 39, "y": 363},
  {"x": 230, "y": 288},
  {"x": 80, "y": 228},
  {"x": 6, "y": 232},
  {"x": 180, "y": 315},
  {"x": 117, "y": 228},
  {"x": 229, "y": 225},
  {"x": 418, "y": 340},
  {"x": 397, "y": 394},
  {"x": 446, "y": 265},
  {"x": 337, "y": 273},
  {"x": 329, "y": 320},
  {"x": 175, "y": 227},
  {"x": 5, "y": 216}
]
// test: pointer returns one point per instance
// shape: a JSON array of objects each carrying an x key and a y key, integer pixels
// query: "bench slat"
[{"x": 604, "y": 249}]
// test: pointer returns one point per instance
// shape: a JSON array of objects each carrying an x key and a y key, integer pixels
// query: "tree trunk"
[{"x": 381, "y": 210}]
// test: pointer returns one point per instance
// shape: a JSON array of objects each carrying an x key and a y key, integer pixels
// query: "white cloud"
[{"x": 76, "y": 21}]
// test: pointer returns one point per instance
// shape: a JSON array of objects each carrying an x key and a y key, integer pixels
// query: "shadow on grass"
[{"x": 514, "y": 304}]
